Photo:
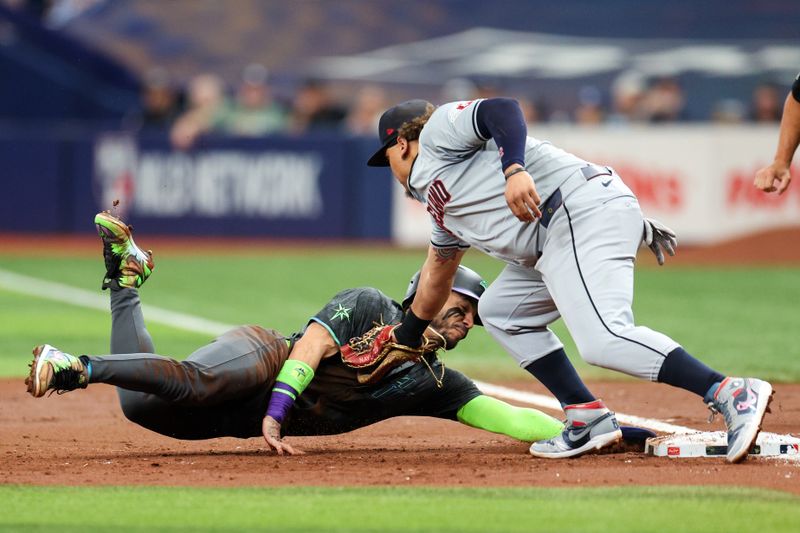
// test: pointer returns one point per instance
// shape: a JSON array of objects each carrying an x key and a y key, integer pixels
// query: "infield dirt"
[
  {"x": 765, "y": 248},
  {"x": 82, "y": 438}
]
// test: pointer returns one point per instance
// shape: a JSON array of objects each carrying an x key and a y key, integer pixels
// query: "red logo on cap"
[
  {"x": 673, "y": 451},
  {"x": 389, "y": 131}
]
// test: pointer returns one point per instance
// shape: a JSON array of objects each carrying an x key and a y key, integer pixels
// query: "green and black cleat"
[
  {"x": 55, "y": 370},
  {"x": 127, "y": 265}
]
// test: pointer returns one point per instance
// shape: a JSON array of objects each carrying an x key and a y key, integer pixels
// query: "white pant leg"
[
  {"x": 587, "y": 265},
  {"x": 516, "y": 310}
]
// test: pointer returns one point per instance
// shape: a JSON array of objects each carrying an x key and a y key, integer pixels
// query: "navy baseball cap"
[{"x": 389, "y": 125}]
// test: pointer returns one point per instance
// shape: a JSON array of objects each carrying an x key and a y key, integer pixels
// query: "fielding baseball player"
[
  {"x": 253, "y": 381},
  {"x": 568, "y": 231},
  {"x": 777, "y": 176}
]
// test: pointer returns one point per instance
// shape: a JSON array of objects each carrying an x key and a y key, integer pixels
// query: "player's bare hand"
[
  {"x": 775, "y": 177},
  {"x": 272, "y": 434},
  {"x": 522, "y": 198}
]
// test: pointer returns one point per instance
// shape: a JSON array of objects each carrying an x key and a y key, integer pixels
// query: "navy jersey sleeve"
[{"x": 352, "y": 312}]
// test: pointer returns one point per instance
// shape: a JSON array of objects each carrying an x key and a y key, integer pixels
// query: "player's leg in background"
[
  {"x": 129, "y": 334},
  {"x": 128, "y": 331},
  {"x": 156, "y": 391},
  {"x": 516, "y": 310},
  {"x": 127, "y": 267},
  {"x": 227, "y": 369}
]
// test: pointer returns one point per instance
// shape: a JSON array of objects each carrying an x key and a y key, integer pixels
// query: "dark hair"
[{"x": 410, "y": 130}]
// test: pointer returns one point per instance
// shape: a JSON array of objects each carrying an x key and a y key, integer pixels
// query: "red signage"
[
  {"x": 673, "y": 451},
  {"x": 660, "y": 189}
]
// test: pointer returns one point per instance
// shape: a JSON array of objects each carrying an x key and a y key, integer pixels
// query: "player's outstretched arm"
[
  {"x": 777, "y": 176},
  {"x": 435, "y": 282},
  {"x": 292, "y": 380},
  {"x": 521, "y": 423}
]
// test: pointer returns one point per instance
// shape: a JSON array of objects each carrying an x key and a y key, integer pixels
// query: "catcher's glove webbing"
[{"x": 375, "y": 352}]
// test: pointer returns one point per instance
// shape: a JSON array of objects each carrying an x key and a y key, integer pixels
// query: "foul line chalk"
[
  {"x": 59, "y": 292},
  {"x": 546, "y": 402}
]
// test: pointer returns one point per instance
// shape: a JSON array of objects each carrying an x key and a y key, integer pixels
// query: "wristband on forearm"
[
  {"x": 292, "y": 380},
  {"x": 515, "y": 171},
  {"x": 410, "y": 330}
]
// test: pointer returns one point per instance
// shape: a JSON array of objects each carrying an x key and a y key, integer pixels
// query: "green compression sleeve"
[{"x": 521, "y": 423}]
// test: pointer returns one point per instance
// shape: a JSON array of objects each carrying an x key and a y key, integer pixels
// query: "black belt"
[
  {"x": 551, "y": 205},
  {"x": 549, "y": 208}
]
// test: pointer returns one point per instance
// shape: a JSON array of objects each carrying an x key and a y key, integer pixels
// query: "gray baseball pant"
[{"x": 585, "y": 275}]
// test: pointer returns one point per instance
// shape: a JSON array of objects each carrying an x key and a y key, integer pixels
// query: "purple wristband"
[{"x": 280, "y": 402}]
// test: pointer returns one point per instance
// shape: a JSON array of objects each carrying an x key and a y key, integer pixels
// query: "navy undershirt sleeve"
[
  {"x": 795, "y": 89},
  {"x": 501, "y": 119}
]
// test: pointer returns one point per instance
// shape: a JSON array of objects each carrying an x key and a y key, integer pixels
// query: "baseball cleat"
[
  {"x": 743, "y": 402},
  {"x": 589, "y": 427},
  {"x": 53, "y": 369},
  {"x": 127, "y": 265}
]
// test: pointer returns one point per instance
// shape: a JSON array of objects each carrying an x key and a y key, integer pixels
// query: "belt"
[{"x": 551, "y": 205}]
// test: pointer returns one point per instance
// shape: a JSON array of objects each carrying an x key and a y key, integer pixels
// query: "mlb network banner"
[
  {"x": 696, "y": 179},
  {"x": 241, "y": 188}
]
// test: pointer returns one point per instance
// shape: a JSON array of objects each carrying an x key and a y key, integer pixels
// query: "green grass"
[
  {"x": 739, "y": 320},
  {"x": 637, "y": 509}
]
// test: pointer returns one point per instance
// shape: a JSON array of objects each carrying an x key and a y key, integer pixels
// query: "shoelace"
[
  {"x": 65, "y": 380},
  {"x": 713, "y": 412},
  {"x": 111, "y": 261}
]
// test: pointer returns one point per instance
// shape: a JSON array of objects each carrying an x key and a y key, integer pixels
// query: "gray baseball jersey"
[
  {"x": 459, "y": 176},
  {"x": 580, "y": 267}
]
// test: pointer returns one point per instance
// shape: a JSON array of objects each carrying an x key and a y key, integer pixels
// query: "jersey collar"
[{"x": 416, "y": 195}]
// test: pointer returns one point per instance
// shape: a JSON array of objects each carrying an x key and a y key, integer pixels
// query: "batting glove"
[{"x": 658, "y": 238}]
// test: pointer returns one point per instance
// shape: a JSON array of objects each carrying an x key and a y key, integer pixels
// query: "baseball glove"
[{"x": 375, "y": 352}]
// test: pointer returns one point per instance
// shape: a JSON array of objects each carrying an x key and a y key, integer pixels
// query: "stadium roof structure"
[
  {"x": 493, "y": 53},
  {"x": 533, "y": 48},
  {"x": 190, "y": 36}
]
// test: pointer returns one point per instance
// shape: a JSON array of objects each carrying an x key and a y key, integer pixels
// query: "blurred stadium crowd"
[
  {"x": 183, "y": 109},
  {"x": 207, "y": 105},
  {"x": 266, "y": 97}
]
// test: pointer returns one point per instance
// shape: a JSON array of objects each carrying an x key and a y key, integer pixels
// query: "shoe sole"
[
  {"x": 594, "y": 444},
  {"x": 33, "y": 382},
  {"x": 750, "y": 436},
  {"x": 109, "y": 226}
]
